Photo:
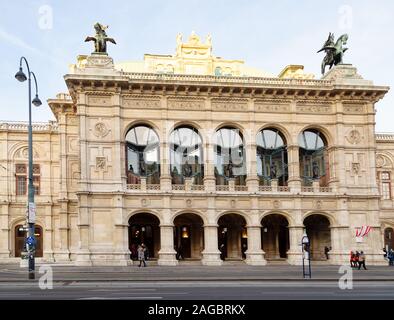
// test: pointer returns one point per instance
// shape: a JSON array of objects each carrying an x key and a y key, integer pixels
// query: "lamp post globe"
[
  {"x": 36, "y": 101},
  {"x": 20, "y": 75}
]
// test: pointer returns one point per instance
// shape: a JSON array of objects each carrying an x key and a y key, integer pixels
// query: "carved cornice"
[{"x": 241, "y": 87}]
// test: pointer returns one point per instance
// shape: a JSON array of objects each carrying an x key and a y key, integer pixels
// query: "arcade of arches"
[
  {"x": 187, "y": 160},
  {"x": 232, "y": 236}
]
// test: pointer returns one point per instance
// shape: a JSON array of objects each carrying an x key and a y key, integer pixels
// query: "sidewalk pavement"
[{"x": 13, "y": 273}]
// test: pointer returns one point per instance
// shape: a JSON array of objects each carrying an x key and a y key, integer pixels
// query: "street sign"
[
  {"x": 31, "y": 218},
  {"x": 30, "y": 241}
]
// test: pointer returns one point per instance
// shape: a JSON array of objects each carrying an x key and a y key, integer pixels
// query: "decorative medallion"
[
  {"x": 276, "y": 204},
  {"x": 354, "y": 137},
  {"x": 100, "y": 130},
  {"x": 318, "y": 204},
  {"x": 188, "y": 203},
  {"x": 144, "y": 202}
]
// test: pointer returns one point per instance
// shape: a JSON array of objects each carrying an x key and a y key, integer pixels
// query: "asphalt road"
[{"x": 202, "y": 290}]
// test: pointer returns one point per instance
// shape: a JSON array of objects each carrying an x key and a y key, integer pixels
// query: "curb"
[{"x": 195, "y": 280}]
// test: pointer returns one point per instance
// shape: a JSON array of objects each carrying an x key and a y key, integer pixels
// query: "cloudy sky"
[{"x": 268, "y": 35}]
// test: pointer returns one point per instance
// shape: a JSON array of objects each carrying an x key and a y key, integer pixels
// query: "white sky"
[{"x": 268, "y": 35}]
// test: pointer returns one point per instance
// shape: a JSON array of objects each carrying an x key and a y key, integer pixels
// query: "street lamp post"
[
  {"x": 306, "y": 255},
  {"x": 20, "y": 76}
]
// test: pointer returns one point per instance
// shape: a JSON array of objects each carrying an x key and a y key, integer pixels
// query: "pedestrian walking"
[
  {"x": 146, "y": 253},
  {"x": 356, "y": 259},
  {"x": 353, "y": 259},
  {"x": 179, "y": 253},
  {"x": 326, "y": 251},
  {"x": 141, "y": 255},
  {"x": 390, "y": 256},
  {"x": 221, "y": 249},
  {"x": 361, "y": 261},
  {"x": 134, "y": 253}
]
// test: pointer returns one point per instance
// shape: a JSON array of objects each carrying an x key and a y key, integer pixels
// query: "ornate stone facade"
[{"x": 92, "y": 206}]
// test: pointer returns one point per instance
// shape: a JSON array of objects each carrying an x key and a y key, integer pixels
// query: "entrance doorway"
[
  {"x": 319, "y": 234},
  {"x": 144, "y": 229},
  {"x": 275, "y": 236},
  {"x": 20, "y": 238},
  {"x": 389, "y": 238},
  {"x": 232, "y": 237},
  {"x": 189, "y": 236}
]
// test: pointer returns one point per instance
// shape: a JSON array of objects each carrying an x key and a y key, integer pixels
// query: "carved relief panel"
[
  {"x": 100, "y": 163},
  {"x": 356, "y": 168}
]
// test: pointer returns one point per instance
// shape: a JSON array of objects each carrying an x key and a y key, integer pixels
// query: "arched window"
[
  {"x": 385, "y": 185},
  {"x": 271, "y": 157},
  {"x": 230, "y": 162},
  {"x": 313, "y": 157},
  {"x": 142, "y": 155},
  {"x": 186, "y": 155}
]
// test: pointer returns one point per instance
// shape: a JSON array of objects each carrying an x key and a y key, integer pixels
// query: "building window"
[
  {"x": 36, "y": 178},
  {"x": 271, "y": 157},
  {"x": 313, "y": 157},
  {"x": 186, "y": 158},
  {"x": 385, "y": 185},
  {"x": 142, "y": 155},
  {"x": 21, "y": 179},
  {"x": 230, "y": 160}
]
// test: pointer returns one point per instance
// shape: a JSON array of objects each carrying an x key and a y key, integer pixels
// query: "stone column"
[
  {"x": 338, "y": 254},
  {"x": 188, "y": 184},
  {"x": 62, "y": 253},
  {"x": 254, "y": 254},
  {"x": 294, "y": 181},
  {"x": 274, "y": 185},
  {"x": 167, "y": 252},
  {"x": 83, "y": 254},
  {"x": 211, "y": 253},
  {"x": 165, "y": 176},
  {"x": 143, "y": 183},
  {"x": 294, "y": 254},
  {"x": 4, "y": 232},
  {"x": 316, "y": 186},
  {"x": 48, "y": 235},
  {"x": 231, "y": 184},
  {"x": 209, "y": 168},
  {"x": 252, "y": 180}
]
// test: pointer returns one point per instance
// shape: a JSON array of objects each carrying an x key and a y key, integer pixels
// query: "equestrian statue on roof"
[{"x": 334, "y": 51}]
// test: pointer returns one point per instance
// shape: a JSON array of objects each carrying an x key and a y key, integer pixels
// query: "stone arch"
[
  {"x": 186, "y": 123},
  {"x": 192, "y": 211},
  {"x": 283, "y": 130},
  {"x": 384, "y": 160},
  {"x": 18, "y": 239},
  {"x": 285, "y": 214},
  {"x": 237, "y": 212},
  {"x": 231, "y": 124},
  {"x": 144, "y": 228},
  {"x": 143, "y": 122},
  {"x": 19, "y": 147},
  {"x": 275, "y": 236},
  {"x": 318, "y": 228},
  {"x": 149, "y": 211},
  {"x": 326, "y": 133},
  {"x": 330, "y": 217},
  {"x": 232, "y": 235},
  {"x": 188, "y": 234}
]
